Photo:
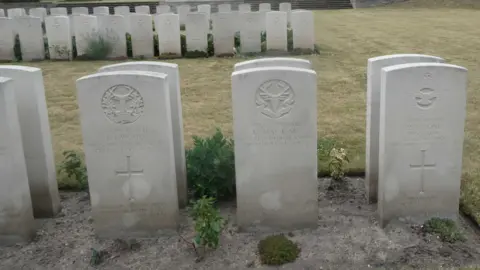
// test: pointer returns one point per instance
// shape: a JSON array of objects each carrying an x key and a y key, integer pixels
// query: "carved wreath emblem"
[
  {"x": 122, "y": 104},
  {"x": 275, "y": 98}
]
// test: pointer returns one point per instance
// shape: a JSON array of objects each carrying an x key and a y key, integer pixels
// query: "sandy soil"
[{"x": 347, "y": 237}]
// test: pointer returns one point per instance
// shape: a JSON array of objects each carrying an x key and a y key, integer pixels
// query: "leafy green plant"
[
  {"x": 98, "y": 47},
  {"x": 208, "y": 222},
  {"x": 338, "y": 163},
  {"x": 444, "y": 228},
  {"x": 74, "y": 168},
  {"x": 211, "y": 167},
  {"x": 324, "y": 147},
  {"x": 277, "y": 250}
]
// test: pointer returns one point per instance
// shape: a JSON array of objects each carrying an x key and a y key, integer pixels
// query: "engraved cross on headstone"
[
  {"x": 129, "y": 172},
  {"x": 422, "y": 166}
]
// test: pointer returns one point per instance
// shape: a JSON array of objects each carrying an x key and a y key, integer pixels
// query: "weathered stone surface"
[
  {"x": 224, "y": 8},
  {"x": 276, "y": 30},
  {"x": 275, "y": 133},
  {"x": 273, "y": 62},
  {"x": 250, "y": 33},
  {"x": 182, "y": 12},
  {"x": 79, "y": 11},
  {"x": 223, "y": 33},
  {"x": 101, "y": 11},
  {"x": 264, "y": 7},
  {"x": 142, "y": 9},
  {"x": 168, "y": 29},
  {"x": 85, "y": 28},
  {"x": 205, "y": 9},
  {"x": 113, "y": 29},
  {"x": 59, "y": 37},
  {"x": 38, "y": 12},
  {"x": 141, "y": 35},
  {"x": 16, "y": 216},
  {"x": 197, "y": 32},
  {"x": 171, "y": 70},
  {"x": 16, "y": 12},
  {"x": 123, "y": 132},
  {"x": 161, "y": 9},
  {"x": 58, "y": 11},
  {"x": 244, "y": 8},
  {"x": 374, "y": 71},
  {"x": 125, "y": 12},
  {"x": 30, "y": 33},
  {"x": 422, "y": 120},
  {"x": 36, "y": 137},
  {"x": 303, "y": 29},
  {"x": 287, "y": 8},
  {"x": 7, "y": 42}
]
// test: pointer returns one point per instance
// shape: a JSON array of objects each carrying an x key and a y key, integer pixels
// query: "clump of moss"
[
  {"x": 277, "y": 250},
  {"x": 444, "y": 228}
]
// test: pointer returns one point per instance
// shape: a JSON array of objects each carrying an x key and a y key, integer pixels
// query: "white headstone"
[
  {"x": 125, "y": 12},
  {"x": 58, "y": 11},
  {"x": 85, "y": 28},
  {"x": 264, "y": 7},
  {"x": 16, "y": 12},
  {"x": 30, "y": 33},
  {"x": 141, "y": 35},
  {"x": 287, "y": 8},
  {"x": 142, "y": 9},
  {"x": 244, "y": 8},
  {"x": 101, "y": 11},
  {"x": 161, "y": 9},
  {"x": 36, "y": 137},
  {"x": 275, "y": 133},
  {"x": 182, "y": 12},
  {"x": 128, "y": 128},
  {"x": 16, "y": 215},
  {"x": 168, "y": 29},
  {"x": 374, "y": 71},
  {"x": 2, "y": 13},
  {"x": 80, "y": 11},
  {"x": 276, "y": 30},
  {"x": 59, "y": 37},
  {"x": 303, "y": 29},
  {"x": 250, "y": 32},
  {"x": 171, "y": 70},
  {"x": 113, "y": 28},
  {"x": 197, "y": 32},
  {"x": 224, "y": 8},
  {"x": 7, "y": 42},
  {"x": 422, "y": 120},
  {"x": 38, "y": 12},
  {"x": 205, "y": 9},
  {"x": 223, "y": 33},
  {"x": 273, "y": 62}
]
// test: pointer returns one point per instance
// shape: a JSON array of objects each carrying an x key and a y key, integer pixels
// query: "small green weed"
[
  {"x": 99, "y": 47},
  {"x": 444, "y": 228},
  {"x": 96, "y": 257},
  {"x": 277, "y": 250},
  {"x": 75, "y": 170},
  {"x": 338, "y": 163}
]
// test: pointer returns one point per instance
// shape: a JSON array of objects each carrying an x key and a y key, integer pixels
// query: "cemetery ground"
[{"x": 348, "y": 236}]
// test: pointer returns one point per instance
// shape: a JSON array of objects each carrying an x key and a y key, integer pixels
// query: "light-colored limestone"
[
  {"x": 273, "y": 62},
  {"x": 30, "y": 33},
  {"x": 197, "y": 32},
  {"x": 113, "y": 28},
  {"x": 303, "y": 29},
  {"x": 7, "y": 42},
  {"x": 59, "y": 37},
  {"x": 141, "y": 35},
  {"x": 223, "y": 33},
  {"x": 276, "y": 25},
  {"x": 168, "y": 29}
]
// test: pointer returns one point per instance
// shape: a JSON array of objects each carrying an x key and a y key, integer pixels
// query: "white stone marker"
[
  {"x": 303, "y": 29},
  {"x": 59, "y": 37},
  {"x": 275, "y": 133},
  {"x": 171, "y": 70},
  {"x": 16, "y": 215},
  {"x": 58, "y": 11},
  {"x": 38, "y": 12},
  {"x": 224, "y": 8},
  {"x": 16, "y": 12},
  {"x": 125, "y": 12},
  {"x": 250, "y": 32},
  {"x": 113, "y": 28},
  {"x": 142, "y": 9},
  {"x": 223, "y": 33},
  {"x": 244, "y": 8},
  {"x": 374, "y": 70},
  {"x": 168, "y": 29},
  {"x": 287, "y": 8},
  {"x": 36, "y": 137},
  {"x": 205, "y": 9},
  {"x": 30, "y": 33},
  {"x": 276, "y": 30},
  {"x": 264, "y": 7},
  {"x": 141, "y": 35},
  {"x": 161, "y": 9},
  {"x": 101, "y": 11},
  {"x": 182, "y": 12},
  {"x": 2, "y": 13},
  {"x": 422, "y": 109},
  {"x": 123, "y": 132},
  {"x": 79, "y": 11},
  {"x": 273, "y": 62},
  {"x": 197, "y": 32},
  {"x": 85, "y": 28},
  {"x": 7, "y": 42}
]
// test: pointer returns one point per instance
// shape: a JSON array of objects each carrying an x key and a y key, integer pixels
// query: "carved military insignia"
[
  {"x": 425, "y": 98},
  {"x": 122, "y": 104},
  {"x": 275, "y": 98}
]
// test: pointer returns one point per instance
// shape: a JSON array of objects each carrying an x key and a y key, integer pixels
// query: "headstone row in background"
[{"x": 60, "y": 29}]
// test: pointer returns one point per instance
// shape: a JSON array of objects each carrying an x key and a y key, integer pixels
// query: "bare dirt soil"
[{"x": 347, "y": 237}]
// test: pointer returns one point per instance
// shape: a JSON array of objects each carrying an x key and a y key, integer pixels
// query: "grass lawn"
[{"x": 347, "y": 38}]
